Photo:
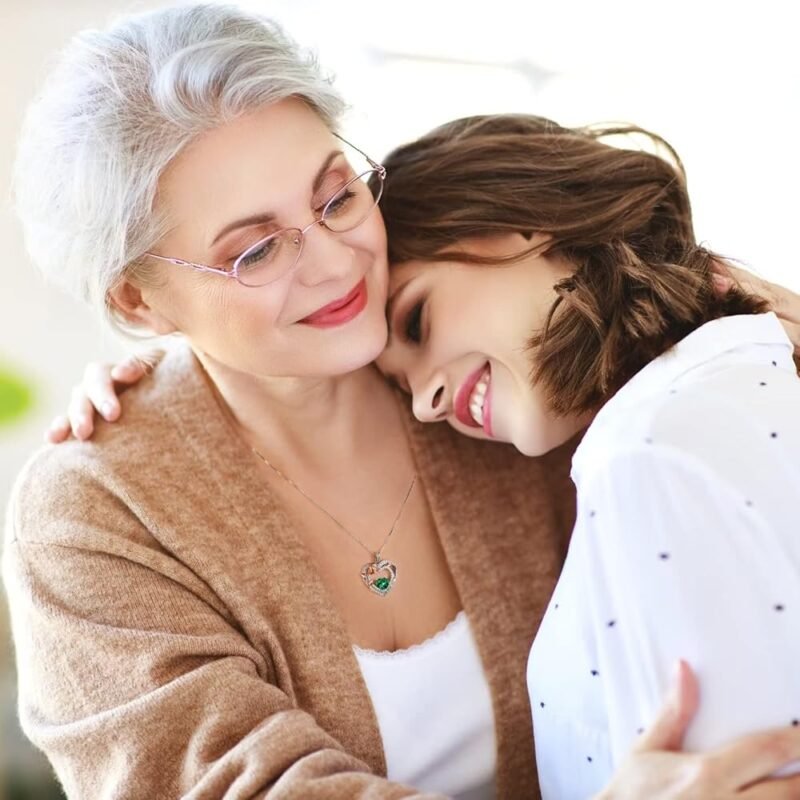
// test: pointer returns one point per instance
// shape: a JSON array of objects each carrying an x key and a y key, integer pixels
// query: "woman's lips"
[
  {"x": 475, "y": 393},
  {"x": 340, "y": 311}
]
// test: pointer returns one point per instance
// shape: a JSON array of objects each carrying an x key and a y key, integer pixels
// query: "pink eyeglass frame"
[{"x": 234, "y": 273}]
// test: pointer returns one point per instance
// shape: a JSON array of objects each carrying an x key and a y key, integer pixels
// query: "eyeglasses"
[{"x": 272, "y": 257}]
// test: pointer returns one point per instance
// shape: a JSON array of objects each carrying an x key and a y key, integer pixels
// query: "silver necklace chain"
[{"x": 374, "y": 553}]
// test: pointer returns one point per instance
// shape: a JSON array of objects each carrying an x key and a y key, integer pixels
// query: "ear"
[{"x": 129, "y": 300}]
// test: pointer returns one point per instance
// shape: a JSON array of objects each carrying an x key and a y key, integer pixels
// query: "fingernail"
[
  {"x": 721, "y": 281},
  {"x": 107, "y": 409},
  {"x": 125, "y": 366},
  {"x": 675, "y": 688}
]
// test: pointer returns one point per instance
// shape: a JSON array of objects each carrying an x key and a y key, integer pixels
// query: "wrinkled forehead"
[{"x": 267, "y": 151}]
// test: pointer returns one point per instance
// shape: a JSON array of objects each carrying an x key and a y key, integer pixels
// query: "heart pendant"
[{"x": 379, "y": 576}]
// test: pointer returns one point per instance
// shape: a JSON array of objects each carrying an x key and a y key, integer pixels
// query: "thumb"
[
  {"x": 722, "y": 283},
  {"x": 668, "y": 729}
]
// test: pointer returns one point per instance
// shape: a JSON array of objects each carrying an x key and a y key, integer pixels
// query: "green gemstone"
[{"x": 382, "y": 584}]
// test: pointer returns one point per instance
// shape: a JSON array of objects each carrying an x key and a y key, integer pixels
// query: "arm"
[
  {"x": 784, "y": 302},
  {"x": 687, "y": 570},
  {"x": 134, "y": 679}
]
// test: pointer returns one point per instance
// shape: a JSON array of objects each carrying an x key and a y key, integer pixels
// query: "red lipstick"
[{"x": 340, "y": 311}]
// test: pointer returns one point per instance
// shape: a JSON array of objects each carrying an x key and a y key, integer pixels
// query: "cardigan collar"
[{"x": 503, "y": 521}]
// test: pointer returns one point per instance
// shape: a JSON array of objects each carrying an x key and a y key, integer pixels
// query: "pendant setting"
[{"x": 379, "y": 576}]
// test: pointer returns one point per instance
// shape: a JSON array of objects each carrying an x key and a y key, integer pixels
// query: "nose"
[
  {"x": 431, "y": 402},
  {"x": 325, "y": 256}
]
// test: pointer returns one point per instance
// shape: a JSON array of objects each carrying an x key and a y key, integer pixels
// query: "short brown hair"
[{"x": 621, "y": 216}]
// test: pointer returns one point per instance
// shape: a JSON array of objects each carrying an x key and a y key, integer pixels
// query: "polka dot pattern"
[{"x": 666, "y": 563}]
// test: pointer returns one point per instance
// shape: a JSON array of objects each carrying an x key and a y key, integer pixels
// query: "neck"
[{"x": 315, "y": 420}]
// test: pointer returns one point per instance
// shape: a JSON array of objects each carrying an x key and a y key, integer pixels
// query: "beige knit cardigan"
[{"x": 172, "y": 639}]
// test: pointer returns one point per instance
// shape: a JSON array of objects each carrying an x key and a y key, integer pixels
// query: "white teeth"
[
  {"x": 476, "y": 409},
  {"x": 478, "y": 397}
]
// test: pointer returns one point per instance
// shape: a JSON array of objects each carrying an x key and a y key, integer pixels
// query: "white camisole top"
[{"x": 435, "y": 713}]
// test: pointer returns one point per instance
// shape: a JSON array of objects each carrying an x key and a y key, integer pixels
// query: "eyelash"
[
  {"x": 413, "y": 323},
  {"x": 348, "y": 175}
]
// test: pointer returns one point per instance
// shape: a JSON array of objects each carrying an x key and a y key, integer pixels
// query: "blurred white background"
[{"x": 720, "y": 80}]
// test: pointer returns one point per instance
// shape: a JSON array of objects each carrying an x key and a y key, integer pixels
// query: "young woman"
[
  {"x": 600, "y": 309},
  {"x": 598, "y": 288}
]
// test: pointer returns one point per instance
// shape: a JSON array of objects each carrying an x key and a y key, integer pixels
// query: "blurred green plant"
[{"x": 16, "y": 396}]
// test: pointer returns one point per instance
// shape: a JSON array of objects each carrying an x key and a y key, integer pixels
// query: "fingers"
[
  {"x": 81, "y": 414},
  {"x": 58, "y": 431},
  {"x": 754, "y": 757},
  {"x": 98, "y": 394},
  {"x": 725, "y": 278},
  {"x": 783, "y": 301},
  {"x": 669, "y": 727},
  {"x": 131, "y": 370},
  {"x": 98, "y": 386},
  {"x": 102, "y": 383},
  {"x": 776, "y": 789},
  {"x": 722, "y": 283}
]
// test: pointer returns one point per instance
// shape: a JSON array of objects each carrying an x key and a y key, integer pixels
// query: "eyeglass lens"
[{"x": 269, "y": 258}]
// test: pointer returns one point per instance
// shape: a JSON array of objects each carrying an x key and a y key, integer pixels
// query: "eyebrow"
[{"x": 260, "y": 219}]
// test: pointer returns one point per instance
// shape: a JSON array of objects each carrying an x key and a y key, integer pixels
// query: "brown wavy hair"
[{"x": 620, "y": 215}]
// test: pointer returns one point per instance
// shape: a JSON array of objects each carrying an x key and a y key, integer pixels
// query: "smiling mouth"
[
  {"x": 477, "y": 399},
  {"x": 472, "y": 405},
  {"x": 340, "y": 311}
]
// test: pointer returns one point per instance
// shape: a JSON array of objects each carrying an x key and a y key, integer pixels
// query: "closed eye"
[{"x": 412, "y": 327}]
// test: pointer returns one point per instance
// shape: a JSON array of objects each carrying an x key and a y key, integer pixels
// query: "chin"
[
  {"x": 533, "y": 450},
  {"x": 469, "y": 432},
  {"x": 535, "y": 444}
]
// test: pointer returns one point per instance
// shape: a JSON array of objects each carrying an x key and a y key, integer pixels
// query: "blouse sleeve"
[
  {"x": 137, "y": 683},
  {"x": 679, "y": 564}
]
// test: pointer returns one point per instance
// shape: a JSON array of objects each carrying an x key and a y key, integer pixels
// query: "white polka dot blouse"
[{"x": 686, "y": 545}]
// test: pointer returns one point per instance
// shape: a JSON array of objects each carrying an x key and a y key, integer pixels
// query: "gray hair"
[{"x": 119, "y": 105}]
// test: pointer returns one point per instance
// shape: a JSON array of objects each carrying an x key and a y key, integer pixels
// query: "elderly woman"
[
  {"x": 204, "y": 598},
  {"x": 269, "y": 582}
]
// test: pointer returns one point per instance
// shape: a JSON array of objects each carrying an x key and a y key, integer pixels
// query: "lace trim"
[{"x": 448, "y": 632}]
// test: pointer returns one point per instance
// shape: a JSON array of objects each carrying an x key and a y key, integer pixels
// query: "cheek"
[
  {"x": 374, "y": 243},
  {"x": 386, "y": 363},
  {"x": 221, "y": 311},
  {"x": 369, "y": 237}
]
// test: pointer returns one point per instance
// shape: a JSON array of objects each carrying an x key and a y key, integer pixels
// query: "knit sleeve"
[{"x": 136, "y": 683}]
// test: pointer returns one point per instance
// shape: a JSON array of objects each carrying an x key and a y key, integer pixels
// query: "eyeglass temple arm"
[
  {"x": 182, "y": 263},
  {"x": 204, "y": 268},
  {"x": 373, "y": 164}
]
